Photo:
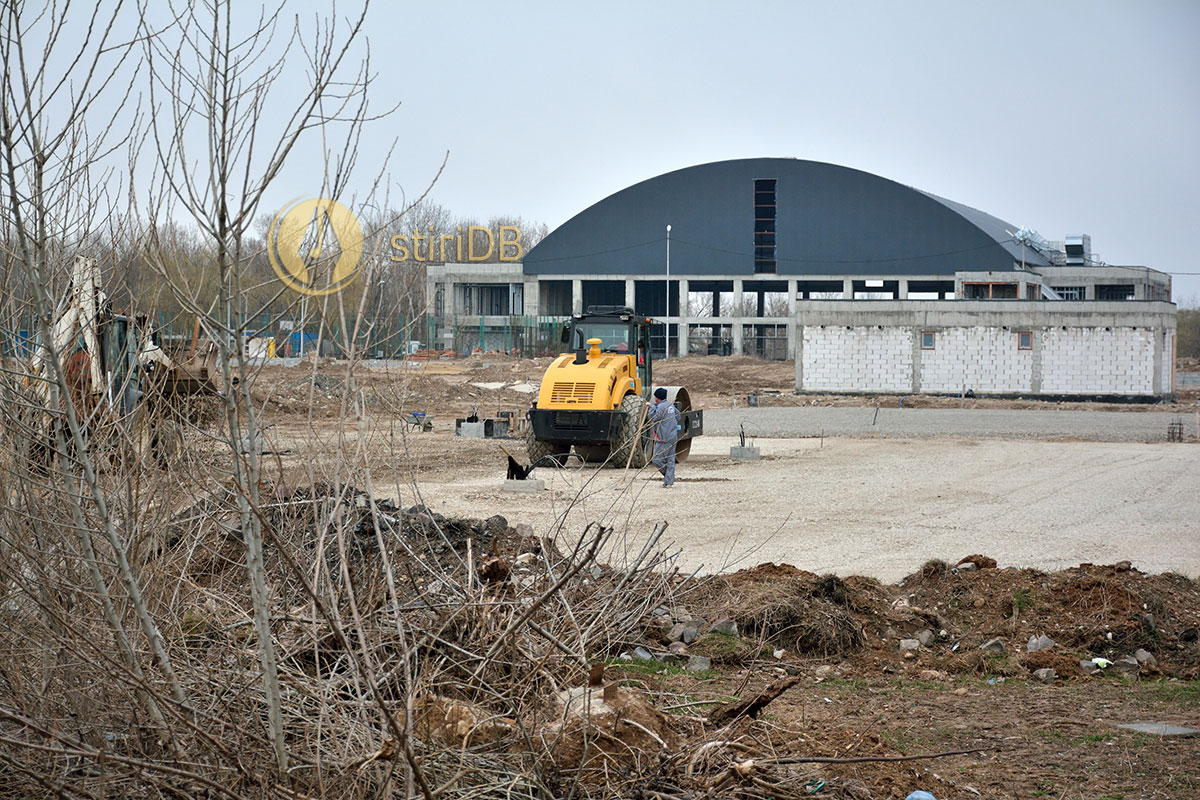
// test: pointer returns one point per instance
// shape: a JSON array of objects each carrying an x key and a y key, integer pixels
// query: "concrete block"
[
  {"x": 527, "y": 486},
  {"x": 472, "y": 430},
  {"x": 744, "y": 453}
]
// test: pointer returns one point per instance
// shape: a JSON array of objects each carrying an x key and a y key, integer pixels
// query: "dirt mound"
[
  {"x": 1064, "y": 666},
  {"x": 1090, "y": 610},
  {"x": 726, "y": 375},
  {"x": 963, "y": 620},
  {"x": 326, "y": 520},
  {"x": 457, "y": 723},
  {"x": 598, "y": 729},
  {"x": 792, "y": 609}
]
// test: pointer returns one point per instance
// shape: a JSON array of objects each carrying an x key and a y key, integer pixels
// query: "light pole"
[{"x": 667, "y": 298}]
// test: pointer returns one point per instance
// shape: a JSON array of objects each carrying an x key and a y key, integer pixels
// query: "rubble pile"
[
  {"x": 969, "y": 618},
  {"x": 508, "y": 664}
]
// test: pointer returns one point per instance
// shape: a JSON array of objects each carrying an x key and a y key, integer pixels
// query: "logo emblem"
[{"x": 315, "y": 246}]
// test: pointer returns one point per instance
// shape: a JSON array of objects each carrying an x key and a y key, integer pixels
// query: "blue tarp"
[
  {"x": 18, "y": 345},
  {"x": 310, "y": 342}
]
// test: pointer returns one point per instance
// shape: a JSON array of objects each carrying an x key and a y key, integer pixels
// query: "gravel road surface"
[
  {"x": 873, "y": 506},
  {"x": 907, "y": 423}
]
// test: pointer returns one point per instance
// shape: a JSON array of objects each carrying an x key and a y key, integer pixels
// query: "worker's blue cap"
[{"x": 660, "y": 393}]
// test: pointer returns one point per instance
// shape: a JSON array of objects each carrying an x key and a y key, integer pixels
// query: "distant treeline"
[
  {"x": 163, "y": 270},
  {"x": 1188, "y": 340}
]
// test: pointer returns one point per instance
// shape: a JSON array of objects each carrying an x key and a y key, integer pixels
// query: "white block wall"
[
  {"x": 1108, "y": 360},
  {"x": 1075, "y": 360},
  {"x": 858, "y": 359},
  {"x": 982, "y": 359}
]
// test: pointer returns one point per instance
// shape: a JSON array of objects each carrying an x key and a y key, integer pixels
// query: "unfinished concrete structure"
[
  {"x": 1064, "y": 349},
  {"x": 758, "y": 256}
]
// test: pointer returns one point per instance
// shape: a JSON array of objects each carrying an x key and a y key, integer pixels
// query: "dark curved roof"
[{"x": 830, "y": 220}]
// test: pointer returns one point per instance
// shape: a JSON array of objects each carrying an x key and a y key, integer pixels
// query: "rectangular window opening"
[
  {"x": 1025, "y": 340},
  {"x": 1118, "y": 291},
  {"x": 1069, "y": 292},
  {"x": 764, "y": 226},
  {"x": 928, "y": 340},
  {"x": 989, "y": 291}
]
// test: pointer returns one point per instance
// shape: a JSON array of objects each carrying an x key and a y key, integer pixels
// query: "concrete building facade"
[{"x": 764, "y": 256}]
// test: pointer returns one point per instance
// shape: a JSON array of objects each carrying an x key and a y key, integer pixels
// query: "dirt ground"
[
  {"x": 874, "y": 512},
  {"x": 862, "y": 695},
  {"x": 858, "y": 506},
  {"x": 1059, "y": 742},
  {"x": 845, "y": 505},
  {"x": 453, "y": 388}
]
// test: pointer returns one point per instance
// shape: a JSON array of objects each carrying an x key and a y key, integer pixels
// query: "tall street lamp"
[{"x": 667, "y": 299}]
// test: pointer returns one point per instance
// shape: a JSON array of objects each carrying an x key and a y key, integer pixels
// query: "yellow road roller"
[{"x": 593, "y": 399}]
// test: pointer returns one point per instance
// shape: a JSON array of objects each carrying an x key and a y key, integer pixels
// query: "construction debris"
[
  {"x": 506, "y": 664},
  {"x": 751, "y": 706}
]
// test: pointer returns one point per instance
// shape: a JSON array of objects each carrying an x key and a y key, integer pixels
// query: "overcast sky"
[{"x": 1066, "y": 117}]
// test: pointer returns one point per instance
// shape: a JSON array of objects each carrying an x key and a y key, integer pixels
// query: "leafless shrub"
[{"x": 208, "y": 623}]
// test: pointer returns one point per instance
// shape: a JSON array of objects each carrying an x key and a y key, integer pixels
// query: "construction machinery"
[
  {"x": 594, "y": 398},
  {"x": 119, "y": 377}
]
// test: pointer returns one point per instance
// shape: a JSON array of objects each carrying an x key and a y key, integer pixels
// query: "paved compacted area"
[
  {"x": 1105, "y": 426},
  {"x": 877, "y": 507},
  {"x": 884, "y": 490}
]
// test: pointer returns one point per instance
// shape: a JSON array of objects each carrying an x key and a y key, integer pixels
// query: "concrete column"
[
  {"x": 577, "y": 296},
  {"x": 848, "y": 288},
  {"x": 736, "y": 319},
  {"x": 797, "y": 348},
  {"x": 631, "y": 293},
  {"x": 683, "y": 316},
  {"x": 791, "y": 323},
  {"x": 431, "y": 287},
  {"x": 1157, "y": 383},
  {"x": 902, "y": 290},
  {"x": 516, "y": 299},
  {"x": 532, "y": 298}
]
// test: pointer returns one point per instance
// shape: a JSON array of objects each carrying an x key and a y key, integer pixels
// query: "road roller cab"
[{"x": 593, "y": 399}]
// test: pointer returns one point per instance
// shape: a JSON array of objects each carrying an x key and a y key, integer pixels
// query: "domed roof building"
[
  {"x": 779, "y": 216},
  {"x": 791, "y": 259}
]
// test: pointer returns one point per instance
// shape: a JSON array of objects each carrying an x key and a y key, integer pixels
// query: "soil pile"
[{"x": 968, "y": 618}]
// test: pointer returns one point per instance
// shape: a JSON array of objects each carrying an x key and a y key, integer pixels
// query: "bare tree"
[
  {"x": 210, "y": 626},
  {"x": 217, "y": 86},
  {"x": 66, "y": 109}
]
